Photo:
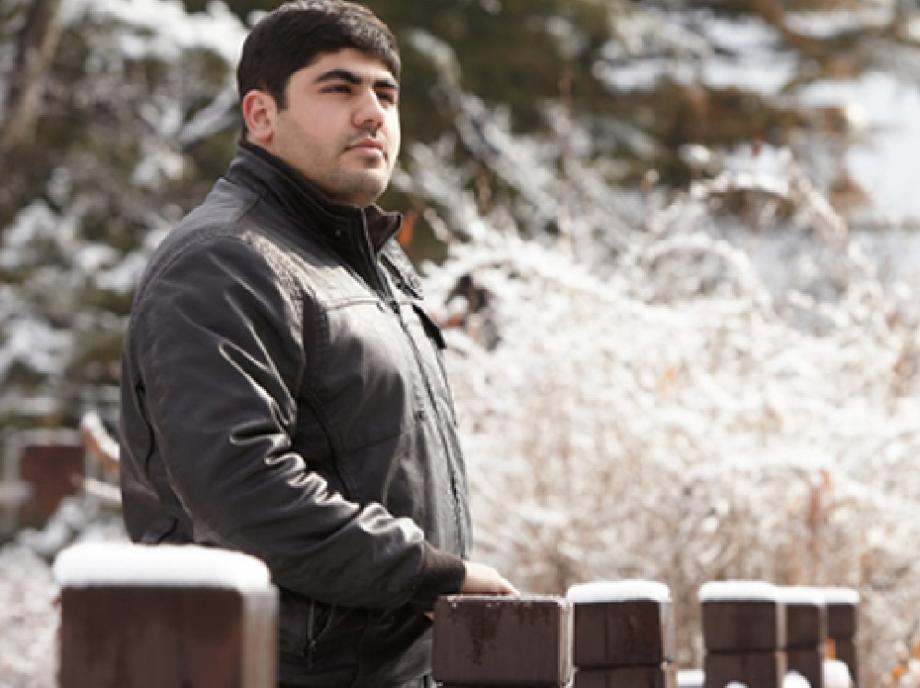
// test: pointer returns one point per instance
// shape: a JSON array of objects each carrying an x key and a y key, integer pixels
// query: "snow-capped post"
[
  {"x": 502, "y": 641},
  {"x": 744, "y": 631},
  {"x": 138, "y": 616},
  {"x": 806, "y": 632},
  {"x": 624, "y": 634},
  {"x": 842, "y": 607}
]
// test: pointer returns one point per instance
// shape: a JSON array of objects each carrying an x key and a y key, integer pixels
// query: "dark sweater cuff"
[{"x": 442, "y": 574}]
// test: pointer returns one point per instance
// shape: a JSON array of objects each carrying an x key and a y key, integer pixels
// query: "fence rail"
[{"x": 142, "y": 617}]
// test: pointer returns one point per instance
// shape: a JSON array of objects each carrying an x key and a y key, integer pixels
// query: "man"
[{"x": 283, "y": 392}]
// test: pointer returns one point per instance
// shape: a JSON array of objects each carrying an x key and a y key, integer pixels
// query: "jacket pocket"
[
  {"x": 302, "y": 624},
  {"x": 292, "y": 623},
  {"x": 333, "y": 637},
  {"x": 320, "y": 618},
  {"x": 321, "y": 639}
]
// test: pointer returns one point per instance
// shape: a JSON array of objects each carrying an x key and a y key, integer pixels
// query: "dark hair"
[{"x": 296, "y": 33}]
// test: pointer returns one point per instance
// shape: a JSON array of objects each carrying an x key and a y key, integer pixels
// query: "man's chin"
[{"x": 362, "y": 189}]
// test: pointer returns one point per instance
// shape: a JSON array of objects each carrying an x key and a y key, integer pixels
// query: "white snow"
[
  {"x": 738, "y": 590},
  {"x": 794, "y": 679},
  {"x": 801, "y": 595},
  {"x": 836, "y": 674},
  {"x": 34, "y": 344},
  {"x": 92, "y": 424},
  {"x": 165, "y": 29},
  {"x": 123, "y": 564},
  {"x": 28, "y": 645},
  {"x": 840, "y": 595},
  {"x": 618, "y": 591},
  {"x": 826, "y": 24},
  {"x": 690, "y": 678},
  {"x": 692, "y": 48},
  {"x": 124, "y": 276},
  {"x": 885, "y": 162}
]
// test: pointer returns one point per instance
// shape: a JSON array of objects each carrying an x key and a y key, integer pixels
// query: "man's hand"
[{"x": 484, "y": 580}]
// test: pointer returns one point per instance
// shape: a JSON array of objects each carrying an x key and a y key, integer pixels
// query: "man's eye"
[
  {"x": 337, "y": 88},
  {"x": 387, "y": 97}
]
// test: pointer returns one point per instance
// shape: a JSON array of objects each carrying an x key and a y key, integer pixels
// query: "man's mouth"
[{"x": 368, "y": 144}]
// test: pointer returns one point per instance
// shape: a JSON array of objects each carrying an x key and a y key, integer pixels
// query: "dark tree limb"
[{"x": 35, "y": 51}]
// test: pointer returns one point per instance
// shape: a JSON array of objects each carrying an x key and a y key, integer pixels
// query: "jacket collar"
[{"x": 339, "y": 224}]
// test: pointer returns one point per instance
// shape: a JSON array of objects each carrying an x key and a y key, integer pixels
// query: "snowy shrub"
[{"x": 677, "y": 404}]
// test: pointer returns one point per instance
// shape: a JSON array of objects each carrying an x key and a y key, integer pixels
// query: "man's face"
[{"x": 340, "y": 128}]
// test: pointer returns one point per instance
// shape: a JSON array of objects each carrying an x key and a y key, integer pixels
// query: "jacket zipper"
[
  {"x": 439, "y": 417},
  {"x": 383, "y": 288},
  {"x": 311, "y": 634}
]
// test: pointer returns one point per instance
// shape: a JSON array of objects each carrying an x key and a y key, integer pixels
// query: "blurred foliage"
[{"x": 113, "y": 159}]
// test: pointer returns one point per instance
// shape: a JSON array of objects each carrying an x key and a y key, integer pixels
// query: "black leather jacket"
[{"x": 283, "y": 394}]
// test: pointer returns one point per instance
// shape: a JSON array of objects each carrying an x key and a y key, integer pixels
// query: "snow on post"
[
  {"x": 806, "y": 632},
  {"x": 742, "y": 616},
  {"x": 618, "y": 591},
  {"x": 837, "y": 674},
  {"x": 794, "y": 679},
  {"x": 209, "y": 616},
  {"x": 744, "y": 631},
  {"x": 690, "y": 678},
  {"x": 842, "y": 611},
  {"x": 624, "y": 630}
]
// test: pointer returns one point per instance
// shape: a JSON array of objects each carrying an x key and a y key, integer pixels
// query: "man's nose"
[{"x": 370, "y": 113}]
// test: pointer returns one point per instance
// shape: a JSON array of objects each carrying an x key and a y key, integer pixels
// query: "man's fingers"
[{"x": 484, "y": 580}]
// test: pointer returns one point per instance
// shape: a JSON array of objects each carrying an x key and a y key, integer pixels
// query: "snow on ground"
[{"x": 29, "y": 619}]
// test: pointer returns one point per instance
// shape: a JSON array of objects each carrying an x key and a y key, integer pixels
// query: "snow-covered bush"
[{"x": 680, "y": 404}]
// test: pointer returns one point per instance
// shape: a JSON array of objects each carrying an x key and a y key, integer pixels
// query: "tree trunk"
[{"x": 37, "y": 43}]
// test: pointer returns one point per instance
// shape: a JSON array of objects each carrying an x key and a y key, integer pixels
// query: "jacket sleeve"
[{"x": 217, "y": 338}]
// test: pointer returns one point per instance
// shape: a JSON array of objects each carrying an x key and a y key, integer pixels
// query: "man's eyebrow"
[{"x": 354, "y": 79}]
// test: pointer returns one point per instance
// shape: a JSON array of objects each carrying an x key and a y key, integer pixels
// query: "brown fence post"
[
  {"x": 135, "y": 616},
  {"x": 842, "y": 607},
  {"x": 502, "y": 641},
  {"x": 806, "y": 632},
  {"x": 744, "y": 631},
  {"x": 624, "y": 635},
  {"x": 48, "y": 462}
]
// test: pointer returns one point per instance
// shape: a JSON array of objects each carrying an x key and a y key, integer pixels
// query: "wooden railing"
[{"x": 147, "y": 617}]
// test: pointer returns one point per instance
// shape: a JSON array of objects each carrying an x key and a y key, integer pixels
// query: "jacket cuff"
[{"x": 442, "y": 574}]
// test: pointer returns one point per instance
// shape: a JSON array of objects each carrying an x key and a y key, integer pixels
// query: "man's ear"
[{"x": 260, "y": 114}]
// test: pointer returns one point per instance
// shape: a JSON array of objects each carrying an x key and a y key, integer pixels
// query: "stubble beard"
[{"x": 357, "y": 186}]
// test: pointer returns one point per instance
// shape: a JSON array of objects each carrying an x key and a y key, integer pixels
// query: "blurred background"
[{"x": 673, "y": 246}]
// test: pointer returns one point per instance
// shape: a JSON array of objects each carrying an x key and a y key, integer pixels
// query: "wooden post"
[
  {"x": 135, "y": 616},
  {"x": 806, "y": 631},
  {"x": 502, "y": 641},
  {"x": 744, "y": 631},
  {"x": 48, "y": 464},
  {"x": 624, "y": 635},
  {"x": 842, "y": 611},
  {"x": 50, "y": 470}
]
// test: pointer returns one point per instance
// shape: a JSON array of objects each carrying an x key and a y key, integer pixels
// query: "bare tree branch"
[{"x": 37, "y": 43}]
